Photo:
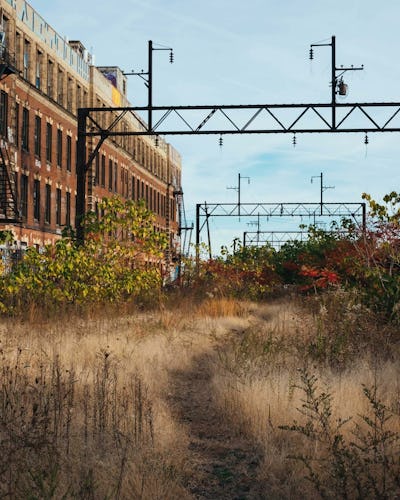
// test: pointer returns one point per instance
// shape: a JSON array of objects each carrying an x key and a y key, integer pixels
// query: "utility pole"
[
  {"x": 322, "y": 189},
  {"x": 337, "y": 86},
  {"x": 148, "y": 78},
  {"x": 254, "y": 223},
  {"x": 238, "y": 190}
]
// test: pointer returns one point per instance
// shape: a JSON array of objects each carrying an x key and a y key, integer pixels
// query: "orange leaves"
[{"x": 321, "y": 278}]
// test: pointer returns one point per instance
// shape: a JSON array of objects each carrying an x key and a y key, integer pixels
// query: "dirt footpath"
[{"x": 225, "y": 464}]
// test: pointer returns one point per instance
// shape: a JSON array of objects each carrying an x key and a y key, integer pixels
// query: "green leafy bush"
[{"x": 119, "y": 260}]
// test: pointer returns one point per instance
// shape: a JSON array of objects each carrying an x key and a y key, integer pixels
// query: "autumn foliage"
[{"x": 364, "y": 260}]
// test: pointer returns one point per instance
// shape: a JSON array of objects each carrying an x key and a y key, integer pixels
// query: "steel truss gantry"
[
  {"x": 354, "y": 211},
  {"x": 278, "y": 238},
  {"x": 331, "y": 117}
]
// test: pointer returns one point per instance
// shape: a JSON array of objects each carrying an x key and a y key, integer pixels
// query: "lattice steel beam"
[
  {"x": 279, "y": 238},
  {"x": 281, "y": 118},
  {"x": 356, "y": 211}
]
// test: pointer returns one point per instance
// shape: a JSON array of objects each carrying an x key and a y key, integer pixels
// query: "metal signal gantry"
[
  {"x": 332, "y": 117},
  {"x": 355, "y": 211},
  {"x": 277, "y": 239}
]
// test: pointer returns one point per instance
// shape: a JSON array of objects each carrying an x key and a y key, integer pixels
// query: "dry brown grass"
[
  {"x": 256, "y": 378},
  {"x": 85, "y": 403},
  {"x": 82, "y": 413}
]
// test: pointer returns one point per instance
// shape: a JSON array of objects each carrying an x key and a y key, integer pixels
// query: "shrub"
[{"x": 119, "y": 260}]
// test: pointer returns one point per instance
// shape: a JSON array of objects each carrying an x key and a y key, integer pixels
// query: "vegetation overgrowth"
[
  {"x": 300, "y": 348},
  {"x": 365, "y": 260},
  {"x": 120, "y": 260}
]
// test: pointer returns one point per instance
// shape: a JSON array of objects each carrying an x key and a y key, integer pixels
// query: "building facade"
[{"x": 44, "y": 79}]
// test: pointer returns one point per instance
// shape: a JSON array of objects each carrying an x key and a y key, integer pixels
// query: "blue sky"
[{"x": 254, "y": 52}]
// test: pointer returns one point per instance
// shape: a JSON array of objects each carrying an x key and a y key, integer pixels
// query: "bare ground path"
[{"x": 225, "y": 464}]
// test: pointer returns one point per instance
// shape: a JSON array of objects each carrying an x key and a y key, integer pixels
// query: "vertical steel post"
[
  {"x": 333, "y": 71},
  {"x": 239, "y": 195},
  {"x": 364, "y": 218},
  {"x": 150, "y": 87},
  {"x": 208, "y": 231},
  {"x": 197, "y": 235},
  {"x": 322, "y": 190},
  {"x": 81, "y": 175}
]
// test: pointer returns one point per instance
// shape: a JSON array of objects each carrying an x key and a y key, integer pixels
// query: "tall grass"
[
  {"x": 261, "y": 385},
  {"x": 80, "y": 417},
  {"x": 85, "y": 406}
]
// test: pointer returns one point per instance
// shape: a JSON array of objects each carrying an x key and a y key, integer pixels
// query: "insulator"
[
  {"x": 311, "y": 54},
  {"x": 221, "y": 141},
  {"x": 171, "y": 57},
  {"x": 366, "y": 140},
  {"x": 294, "y": 140},
  {"x": 156, "y": 142}
]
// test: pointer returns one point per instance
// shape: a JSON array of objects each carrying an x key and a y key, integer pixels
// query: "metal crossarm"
[
  {"x": 278, "y": 238},
  {"x": 190, "y": 120},
  {"x": 354, "y": 210}
]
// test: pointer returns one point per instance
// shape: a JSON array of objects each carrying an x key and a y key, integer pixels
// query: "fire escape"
[{"x": 9, "y": 212}]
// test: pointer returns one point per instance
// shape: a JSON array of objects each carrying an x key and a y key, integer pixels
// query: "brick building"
[{"x": 44, "y": 79}]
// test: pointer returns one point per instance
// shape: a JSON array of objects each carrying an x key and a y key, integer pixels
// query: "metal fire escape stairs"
[{"x": 9, "y": 211}]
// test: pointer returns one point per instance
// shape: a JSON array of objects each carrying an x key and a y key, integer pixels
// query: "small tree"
[{"x": 120, "y": 259}]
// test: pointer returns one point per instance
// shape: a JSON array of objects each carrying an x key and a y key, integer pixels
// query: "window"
[
  {"x": 59, "y": 147},
  {"x": 126, "y": 176},
  {"x": 70, "y": 94},
  {"x": 110, "y": 175},
  {"x": 18, "y": 49},
  {"x": 68, "y": 209},
  {"x": 133, "y": 187},
  {"x": 25, "y": 129},
  {"x": 38, "y": 136},
  {"x": 76, "y": 156},
  {"x": 60, "y": 87},
  {"x": 16, "y": 138},
  {"x": 38, "y": 82},
  {"x": 115, "y": 177},
  {"x": 97, "y": 170},
  {"x": 27, "y": 50},
  {"x": 69, "y": 153},
  {"x": 24, "y": 195},
  {"x": 58, "y": 207},
  {"x": 50, "y": 76},
  {"x": 49, "y": 141},
  {"x": 103, "y": 170},
  {"x": 3, "y": 112},
  {"x": 36, "y": 199},
  {"x": 78, "y": 96},
  {"x": 47, "y": 212},
  {"x": 4, "y": 25}
]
